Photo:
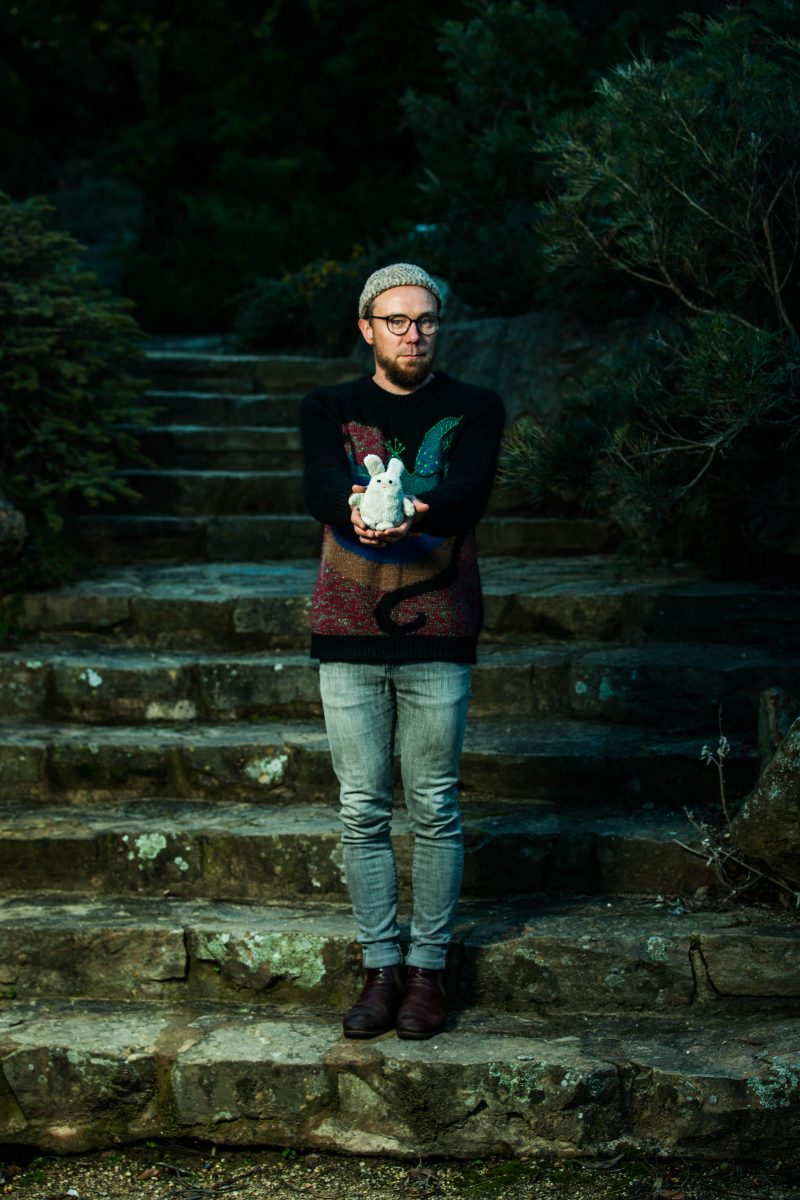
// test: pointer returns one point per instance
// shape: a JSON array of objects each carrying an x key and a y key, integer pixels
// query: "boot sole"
[
  {"x": 362, "y": 1035},
  {"x": 408, "y": 1036}
]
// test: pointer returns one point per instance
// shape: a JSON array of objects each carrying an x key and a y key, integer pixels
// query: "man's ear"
[{"x": 366, "y": 330}]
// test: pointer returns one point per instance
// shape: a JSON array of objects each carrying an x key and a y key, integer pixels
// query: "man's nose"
[{"x": 412, "y": 333}]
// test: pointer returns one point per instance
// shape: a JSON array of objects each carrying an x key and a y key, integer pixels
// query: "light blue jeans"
[{"x": 423, "y": 706}]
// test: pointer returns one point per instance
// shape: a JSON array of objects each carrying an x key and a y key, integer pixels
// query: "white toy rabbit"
[{"x": 383, "y": 505}]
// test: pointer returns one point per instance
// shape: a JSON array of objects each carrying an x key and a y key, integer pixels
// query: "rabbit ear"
[
  {"x": 395, "y": 468},
  {"x": 373, "y": 464}
]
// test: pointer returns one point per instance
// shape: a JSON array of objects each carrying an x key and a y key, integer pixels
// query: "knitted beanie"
[{"x": 396, "y": 275}]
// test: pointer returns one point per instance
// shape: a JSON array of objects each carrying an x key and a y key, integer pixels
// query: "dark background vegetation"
[
  {"x": 195, "y": 147},
  {"x": 239, "y": 167}
]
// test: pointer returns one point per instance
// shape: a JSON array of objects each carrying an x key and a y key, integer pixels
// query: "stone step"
[
  {"x": 678, "y": 686},
  {"x": 227, "y": 409},
  {"x": 220, "y": 447},
  {"x": 242, "y": 373},
  {"x": 268, "y": 853},
  {"x": 111, "y": 538},
  {"x": 81, "y": 1075},
  {"x": 289, "y": 761},
  {"x": 185, "y": 492},
  {"x": 542, "y": 955},
  {"x": 264, "y": 605}
]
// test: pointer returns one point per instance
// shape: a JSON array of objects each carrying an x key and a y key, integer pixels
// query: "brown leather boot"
[
  {"x": 375, "y": 1010},
  {"x": 422, "y": 1012}
]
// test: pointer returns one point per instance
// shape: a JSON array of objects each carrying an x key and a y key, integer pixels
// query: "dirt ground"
[{"x": 188, "y": 1172}]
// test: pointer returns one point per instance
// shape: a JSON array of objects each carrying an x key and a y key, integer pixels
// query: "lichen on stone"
[
  {"x": 268, "y": 771},
  {"x": 150, "y": 845},
  {"x": 779, "y": 1089},
  {"x": 298, "y": 956},
  {"x": 92, "y": 677}
]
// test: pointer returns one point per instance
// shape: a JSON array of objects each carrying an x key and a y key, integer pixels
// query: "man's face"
[{"x": 404, "y": 360}]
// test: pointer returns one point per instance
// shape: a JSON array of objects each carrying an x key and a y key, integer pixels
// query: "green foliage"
[
  {"x": 683, "y": 176},
  {"x": 507, "y": 67},
  {"x": 244, "y": 140},
  {"x": 690, "y": 448},
  {"x": 312, "y": 309},
  {"x": 706, "y": 464},
  {"x": 70, "y": 372}
]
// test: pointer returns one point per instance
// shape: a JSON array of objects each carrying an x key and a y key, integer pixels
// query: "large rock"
[
  {"x": 530, "y": 358},
  {"x": 776, "y": 711},
  {"x": 13, "y": 532},
  {"x": 768, "y": 826}
]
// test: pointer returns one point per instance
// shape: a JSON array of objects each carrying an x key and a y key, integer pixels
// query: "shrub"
[
  {"x": 314, "y": 309},
  {"x": 507, "y": 68},
  {"x": 311, "y": 309},
  {"x": 70, "y": 373},
  {"x": 683, "y": 176}
]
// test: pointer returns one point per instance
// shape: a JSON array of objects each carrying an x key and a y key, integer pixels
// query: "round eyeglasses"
[{"x": 427, "y": 325}]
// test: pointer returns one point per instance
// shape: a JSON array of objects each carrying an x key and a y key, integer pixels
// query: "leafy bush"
[
  {"x": 314, "y": 309},
  {"x": 70, "y": 372},
  {"x": 311, "y": 309},
  {"x": 683, "y": 176},
  {"x": 507, "y": 67},
  {"x": 689, "y": 447}
]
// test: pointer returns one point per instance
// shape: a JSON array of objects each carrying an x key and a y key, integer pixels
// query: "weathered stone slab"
[
  {"x": 227, "y": 762},
  {"x": 241, "y": 537},
  {"x": 121, "y": 689},
  {"x": 112, "y": 538},
  {"x": 75, "y": 608},
  {"x": 532, "y": 536},
  {"x": 270, "y": 1076},
  {"x": 247, "y": 372},
  {"x": 83, "y": 1081},
  {"x": 228, "y": 409},
  {"x": 23, "y": 768},
  {"x": 542, "y": 954},
  {"x": 282, "y": 761},
  {"x": 23, "y": 684},
  {"x": 129, "y": 686},
  {"x": 256, "y": 538},
  {"x": 187, "y": 493},
  {"x": 64, "y": 954},
  {"x": 768, "y": 825},
  {"x": 275, "y": 685},
  {"x": 92, "y": 1076},
  {"x": 675, "y": 686},
  {"x": 548, "y": 600},
  {"x": 544, "y": 759},
  {"x": 679, "y": 683},
  {"x": 196, "y": 447},
  {"x": 753, "y": 962},
  {"x": 596, "y": 598},
  {"x": 262, "y": 853}
]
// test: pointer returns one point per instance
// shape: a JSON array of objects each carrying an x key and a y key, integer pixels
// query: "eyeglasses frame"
[{"x": 411, "y": 321}]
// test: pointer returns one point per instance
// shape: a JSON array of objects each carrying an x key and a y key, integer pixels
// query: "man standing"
[{"x": 395, "y": 621}]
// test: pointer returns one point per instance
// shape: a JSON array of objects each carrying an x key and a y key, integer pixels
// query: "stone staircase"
[{"x": 175, "y": 941}]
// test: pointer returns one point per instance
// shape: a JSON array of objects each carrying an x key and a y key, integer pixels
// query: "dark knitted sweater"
[{"x": 419, "y": 599}]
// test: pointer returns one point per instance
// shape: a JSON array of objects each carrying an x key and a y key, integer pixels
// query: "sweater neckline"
[{"x": 434, "y": 387}]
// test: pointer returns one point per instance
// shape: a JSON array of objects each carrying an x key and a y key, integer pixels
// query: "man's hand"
[{"x": 384, "y": 537}]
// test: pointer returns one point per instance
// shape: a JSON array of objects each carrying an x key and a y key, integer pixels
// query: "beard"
[{"x": 406, "y": 372}]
